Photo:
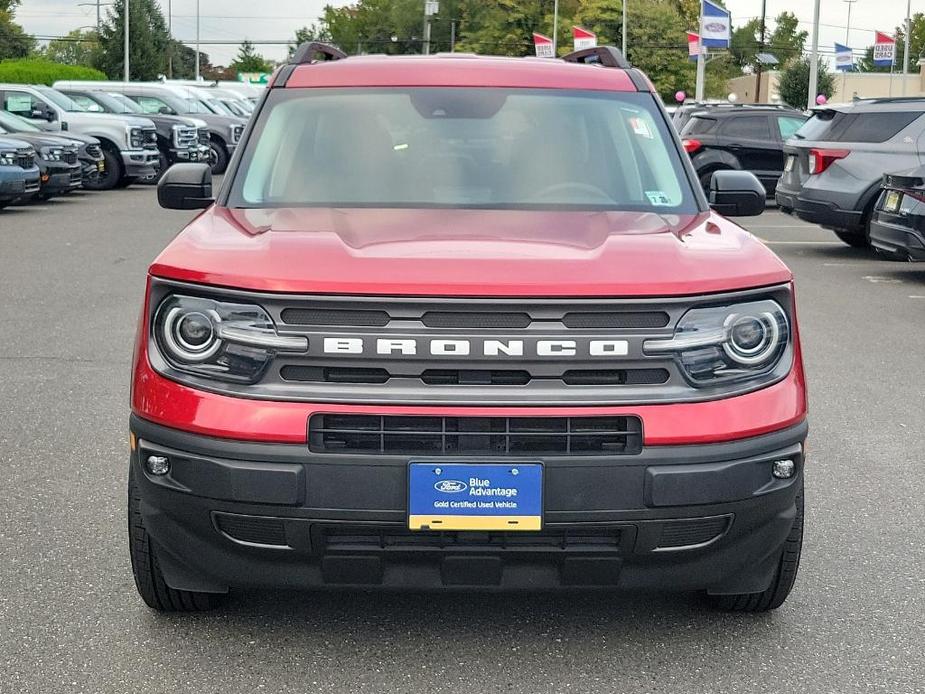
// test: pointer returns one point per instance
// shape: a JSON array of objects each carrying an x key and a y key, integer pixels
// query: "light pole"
[
  {"x": 844, "y": 74},
  {"x": 623, "y": 44},
  {"x": 197, "y": 40},
  {"x": 814, "y": 59},
  {"x": 555, "y": 27},
  {"x": 908, "y": 39},
  {"x": 760, "y": 51},
  {"x": 126, "y": 71}
]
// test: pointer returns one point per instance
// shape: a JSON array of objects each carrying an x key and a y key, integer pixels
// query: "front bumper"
[
  {"x": 899, "y": 241},
  {"x": 62, "y": 181},
  {"x": 140, "y": 163},
  {"x": 15, "y": 188},
  {"x": 238, "y": 514},
  {"x": 188, "y": 154}
]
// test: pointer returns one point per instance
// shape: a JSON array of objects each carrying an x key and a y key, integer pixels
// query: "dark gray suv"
[{"x": 834, "y": 163}]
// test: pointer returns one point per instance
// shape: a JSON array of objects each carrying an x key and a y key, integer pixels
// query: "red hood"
[{"x": 441, "y": 252}]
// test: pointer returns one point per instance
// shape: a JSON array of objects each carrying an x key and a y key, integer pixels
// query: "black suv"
[{"x": 742, "y": 136}]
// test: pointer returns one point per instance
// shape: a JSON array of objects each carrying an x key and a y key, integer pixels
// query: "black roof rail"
[
  {"x": 307, "y": 52},
  {"x": 607, "y": 56}
]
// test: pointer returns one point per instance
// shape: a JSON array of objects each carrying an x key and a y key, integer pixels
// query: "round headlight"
[
  {"x": 191, "y": 335},
  {"x": 751, "y": 339}
]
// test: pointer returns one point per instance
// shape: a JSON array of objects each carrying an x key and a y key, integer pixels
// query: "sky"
[{"x": 235, "y": 20}]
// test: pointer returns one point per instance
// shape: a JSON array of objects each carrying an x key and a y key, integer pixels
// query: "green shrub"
[{"x": 33, "y": 71}]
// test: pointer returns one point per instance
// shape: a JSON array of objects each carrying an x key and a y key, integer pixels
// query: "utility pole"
[
  {"x": 760, "y": 50},
  {"x": 555, "y": 28},
  {"x": 906, "y": 42},
  {"x": 453, "y": 36},
  {"x": 170, "y": 34},
  {"x": 197, "y": 40},
  {"x": 430, "y": 8},
  {"x": 126, "y": 72},
  {"x": 814, "y": 59},
  {"x": 623, "y": 45}
]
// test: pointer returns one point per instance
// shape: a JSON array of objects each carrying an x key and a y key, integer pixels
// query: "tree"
[
  {"x": 249, "y": 60},
  {"x": 149, "y": 41},
  {"x": 183, "y": 59},
  {"x": 794, "y": 83},
  {"x": 14, "y": 42},
  {"x": 77, "y": 48},
  {"x": 785, "y": 42}
]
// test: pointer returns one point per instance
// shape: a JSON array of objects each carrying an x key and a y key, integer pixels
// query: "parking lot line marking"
[
  {"x": 784, "y": 226},
  {"x": 877, "y": 279},
  {"x": 916, "y": 296}
]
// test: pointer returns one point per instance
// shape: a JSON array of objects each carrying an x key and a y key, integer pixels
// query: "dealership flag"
[
  {"x": 543, "y": 46},
  {"x": 884, "y": 49},
  {"x": 583, "y": 38},
  {"x": 714, "y": 25},
  {"x": 844, "y": 59},
  {"x": 692, "y": 41}
]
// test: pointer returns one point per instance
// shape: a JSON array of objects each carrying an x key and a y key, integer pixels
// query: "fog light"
[
  {"x": 158, "y": 464},
  {"x": 783, "y": 469}
]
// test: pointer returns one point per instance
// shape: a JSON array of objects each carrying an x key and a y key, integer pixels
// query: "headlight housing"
[
  {"x": 51, "y": 153},
  {"x": 136, "y": 137},
  {"x": 217, "y": 339},
  {"x": 728, "y": 344},
  {"x": 8, "y": 158}
]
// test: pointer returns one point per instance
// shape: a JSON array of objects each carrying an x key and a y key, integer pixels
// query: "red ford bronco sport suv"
[{"x": 465, "y": 322}]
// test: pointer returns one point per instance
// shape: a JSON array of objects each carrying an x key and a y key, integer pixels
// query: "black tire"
[
  {"x": 111, "y": 174},
  {"x": 126, "y": 181},
  {"x": 149, "y": 580},
  {"x": 855, "y": 239},
  {"x": 784, "y": 578},
  {"x": 218, "y": 157}
]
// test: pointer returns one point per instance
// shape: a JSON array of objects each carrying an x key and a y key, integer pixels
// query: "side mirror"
[
  {"x": 737, "y": 194},
  {"x": 185, "y": 187},
  {"x": 165, "y": 111}
]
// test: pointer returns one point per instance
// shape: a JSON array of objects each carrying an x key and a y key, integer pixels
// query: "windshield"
[
  {"x": 234, "y": 108},
  {"x": 462, "y": 147},
  {"x": 218, "y": 107},
  {"x": 59, "y": 99},
  {"x": 195, "y": 106},
  {"x": 118, "y": 103},
  {"x": 14, "y": 124}
]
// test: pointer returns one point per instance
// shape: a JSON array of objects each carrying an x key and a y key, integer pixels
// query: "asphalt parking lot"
[{"x": 71, "y": 281}]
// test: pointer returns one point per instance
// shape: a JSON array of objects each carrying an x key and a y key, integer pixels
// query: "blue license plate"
[{"x": 454, "y": 496}]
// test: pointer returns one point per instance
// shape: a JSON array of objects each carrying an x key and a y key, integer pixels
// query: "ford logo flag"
[{"x": 714, "y": 25}]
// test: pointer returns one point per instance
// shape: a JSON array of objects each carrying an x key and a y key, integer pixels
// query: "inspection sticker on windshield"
[
  {"x": 452, "y": 496},
  {"x": 658, "y": 198},
  {"x": 640, "y": 127}
]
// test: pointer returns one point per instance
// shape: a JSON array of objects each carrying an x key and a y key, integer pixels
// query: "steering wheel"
[{"x": 574, "y": 186}]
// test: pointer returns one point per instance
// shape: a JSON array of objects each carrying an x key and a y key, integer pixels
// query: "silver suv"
[{"x": 834, "y": 163}]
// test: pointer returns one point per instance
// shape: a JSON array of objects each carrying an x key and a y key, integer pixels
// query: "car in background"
[
  {"x": 897, "y": 228},
  {"x": 19, "y": 174},
  {"x": 89, "y": 153},
  {"x": 225, "y": 131},
  {"x": 129, "y": 143},
  {"x": 57, "y": 156},
  {"x": 177, "y": 136},
  {"x": 741, "y": 137},
  {"x": 836, "y": 162}
]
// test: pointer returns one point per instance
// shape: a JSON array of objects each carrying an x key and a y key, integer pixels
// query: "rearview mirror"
[
  {"x": 737, "y": 194},
  {"x": 186, "y": 187}
]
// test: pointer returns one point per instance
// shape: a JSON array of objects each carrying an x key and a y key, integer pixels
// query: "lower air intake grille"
[
  {"x": 355, "y": 539},
  {"x": 693, "y": 531},
  {"x": 256, "y": 531},
  {"x": 484, "y": 436}
]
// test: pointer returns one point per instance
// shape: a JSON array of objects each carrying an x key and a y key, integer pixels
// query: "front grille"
[
  {"x": 185, "y": 137},
  {"x": 94, "y": 151},
  {"x": 359, "y": 539},
  {"x": 473, "y": 377},
  {"x": 693, "y": 531},
  {"x": 484, "y": 436},
  {"x": 149, "y": 138},
  {"x": 204, "y": 137},
  {"x": 69, "y": 157},
  {"x": 25, "y": 160},
  {"x": 252, "y": 530},
  {"x": 345, "y": 317}
]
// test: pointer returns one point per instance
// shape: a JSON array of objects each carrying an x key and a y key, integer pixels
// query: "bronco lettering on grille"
[{"x": 482, "y": 347}]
